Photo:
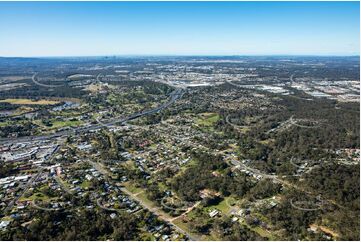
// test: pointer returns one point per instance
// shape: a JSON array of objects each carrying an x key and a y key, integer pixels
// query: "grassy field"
[
  {"x": 207, "y": 119},
  {"x": 85, "y": 184},
  {"x": 67, "y": 123},
  {"x": 132, "y": 188},
  {"x": 5, "y": 123},
  {"x": 222, "y": 206},
  {"x": 267, "y": 141},
  {"x": 153, "y": 146},
  {"x": 143, "y": 197},
  {"x": 58, "y": 124},
  {"x": 264, "y": 233},
  {"x": 23, "y": 101},
  {"x": 37, "y": 196},
  {"x": 6, "y": 218}
]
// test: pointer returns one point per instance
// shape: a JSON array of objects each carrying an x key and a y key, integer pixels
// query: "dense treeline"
[
  {"x": 340, "y": 184},
  {"x": 293, "y": 221},
  {"x": 299, "y": 129},
  {"x": 85, "y": 225},
  {"x": 342, "y": 223},
  {"x": 200, "y": 176},
  {"x": 337, "y": 182},
  {"x": 264, "y": 189},
  {"x": 25, "y": 129},
  {"x": 334, "y": 128},
  {"x": 150, "y": 87},
  {"x": 6, "y": 169},
  {"x": 35, "y": 91},
  {"x": 8, "y": 106}
]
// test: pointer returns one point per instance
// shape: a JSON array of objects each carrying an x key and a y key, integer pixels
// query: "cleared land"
[{"x": 23, "y": 101}]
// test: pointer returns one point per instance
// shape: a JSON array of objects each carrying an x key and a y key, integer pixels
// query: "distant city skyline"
[{"x": 44, "y": 29}]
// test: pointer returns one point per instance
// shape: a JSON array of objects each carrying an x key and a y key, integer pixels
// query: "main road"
[
  {"x": 176, "y": 94},
  {"x": 152, "y": 209},
  {"x": 161, "y": 215},
  {"x": 29, "y": 184},
  {"x": 35, "y": 80}
]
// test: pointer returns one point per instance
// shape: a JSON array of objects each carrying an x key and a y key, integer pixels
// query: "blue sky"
[{"x": 179, "y": 28}]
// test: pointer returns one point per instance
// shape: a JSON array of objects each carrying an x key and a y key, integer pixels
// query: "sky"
[{"x": 179, "y": 28}]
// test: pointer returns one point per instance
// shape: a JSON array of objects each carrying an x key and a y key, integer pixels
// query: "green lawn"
[
  {"x": 222, "y": 206},
  {"x": 153, "y": 146},
  {"x": 207, "y": 119},
  {"x": 85, "y": 184},
  {"x": 264, "y": 233},
  {"x": 67, "y": 123},
  {"x": 58, "y": 124},
  {"x": 231, "y": 201},
  {"x": 38, "y": 196}
]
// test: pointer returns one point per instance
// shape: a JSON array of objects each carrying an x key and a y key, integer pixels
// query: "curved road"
[
  {"x": 34, "y": 79},
  {"x": 176, "y": 94}
]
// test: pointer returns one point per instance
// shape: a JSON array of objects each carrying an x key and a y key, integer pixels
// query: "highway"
[
  {"x": 175, "y": 95},
  {"x": 27, "y": 185},
  {"x": 34, "y": 79}
]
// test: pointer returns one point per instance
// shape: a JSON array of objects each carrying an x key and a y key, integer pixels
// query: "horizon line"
[{"x": 185, "y": 55}]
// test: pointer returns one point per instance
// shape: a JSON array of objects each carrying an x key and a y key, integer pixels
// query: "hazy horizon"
[{"x": 180, "y": 55}]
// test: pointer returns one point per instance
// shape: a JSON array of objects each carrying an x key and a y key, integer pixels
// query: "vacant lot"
[{"x": 24, "y": 101}]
